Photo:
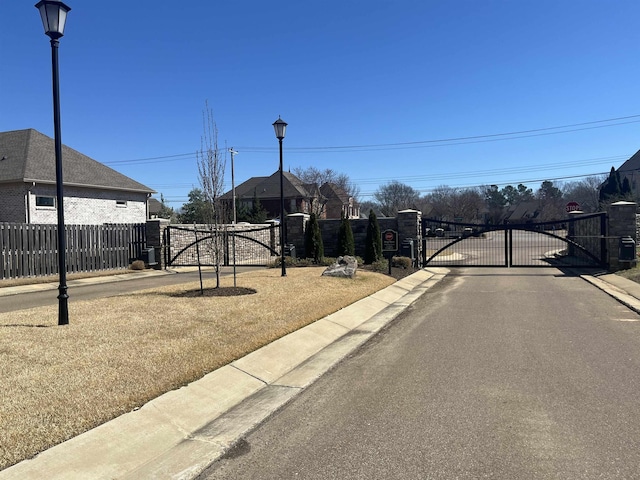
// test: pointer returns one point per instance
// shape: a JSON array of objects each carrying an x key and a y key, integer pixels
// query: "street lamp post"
[
  {"x": 280, "y": 126},
  {"x": 54, "y": 17},
  {"x": 233, "y": 206}
]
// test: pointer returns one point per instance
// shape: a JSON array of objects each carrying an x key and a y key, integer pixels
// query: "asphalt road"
[
  {"x": 528, "y": 249},
  {"x": 121, "y": 285},
  {"x": 493, "y": 373}
]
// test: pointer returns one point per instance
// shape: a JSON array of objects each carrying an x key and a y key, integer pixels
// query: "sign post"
[{"x": 389, "y": 245}]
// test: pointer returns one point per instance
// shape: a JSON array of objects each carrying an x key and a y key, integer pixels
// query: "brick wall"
[
  {"x": 82, "y": 206},
  {"x": 89, "y": 207},
  {"x": 12, "y": 206},
  {"x": 407, "y": 224}
]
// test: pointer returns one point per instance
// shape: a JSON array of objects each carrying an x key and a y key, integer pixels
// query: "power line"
[
  {"x": 425, "y": 191},
  {"x": 415, "y": 144}
]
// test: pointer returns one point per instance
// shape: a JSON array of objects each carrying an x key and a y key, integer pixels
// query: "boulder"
[{"x": 345, "y": 267}]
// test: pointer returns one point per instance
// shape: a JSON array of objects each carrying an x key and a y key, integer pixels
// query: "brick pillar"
[
  {"x": 409, "y": 226},
  {"x": 155, "y": 234},
  {"x": 622, "y": 223},
  {"x": 296, "y": 224}
]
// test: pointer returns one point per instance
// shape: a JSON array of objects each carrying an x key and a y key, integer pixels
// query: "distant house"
[
  {"x": 93, "y": 192},
  {"x": 327, "y": 201},
  {"x": 153, "y": 208},
  {"x": 523, "y": 212},
  {"x": 298, "y": 197},
  {"x": 631, "y": 170},
  {"x": 338, "y": 202}
]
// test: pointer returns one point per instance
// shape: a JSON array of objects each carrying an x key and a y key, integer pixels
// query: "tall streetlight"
[
  {"x": 280, "y": 126},
  {"x": 54, "y": 17},
  {"x": 233, "y": 206}
]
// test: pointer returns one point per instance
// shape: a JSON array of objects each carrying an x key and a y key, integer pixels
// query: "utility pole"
[{"x": 233, "y": 205}]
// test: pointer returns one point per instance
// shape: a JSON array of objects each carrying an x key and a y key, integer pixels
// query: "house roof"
[
  {"x": 269, "y": 187},
  {"x": 29, "y": 156},
  {"x": 154, "y": 206},
  {"x": 631, "y": 167},
  {"x": 332, "y": 190},
  {"x": 523, "y": 211}
]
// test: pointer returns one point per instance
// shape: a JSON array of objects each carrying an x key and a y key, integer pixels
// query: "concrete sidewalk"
[
  {"x": 123, "y": 277},
  {"x": 180, "y": 433},
  {"x": 622, "y": 289}
]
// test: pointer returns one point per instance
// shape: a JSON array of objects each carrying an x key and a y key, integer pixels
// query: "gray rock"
[{"x": 345, "y": 267}]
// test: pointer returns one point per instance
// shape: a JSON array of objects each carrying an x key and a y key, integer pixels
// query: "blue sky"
[{"x": 375, "y": 89}]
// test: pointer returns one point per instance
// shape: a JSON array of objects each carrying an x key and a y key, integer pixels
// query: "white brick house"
[{"x": 93, "y": 192}]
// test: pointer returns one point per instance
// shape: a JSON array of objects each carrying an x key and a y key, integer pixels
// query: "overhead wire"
[{"x": 404, "y": 145}]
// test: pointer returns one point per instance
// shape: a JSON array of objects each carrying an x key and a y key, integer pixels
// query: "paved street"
[{"x": 493, "y": 373}]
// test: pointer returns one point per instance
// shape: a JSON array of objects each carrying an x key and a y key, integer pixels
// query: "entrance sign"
[{"x": 389, "y": 241}]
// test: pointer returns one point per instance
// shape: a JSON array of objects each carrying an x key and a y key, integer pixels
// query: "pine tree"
[
  {"x": 346, "y": 244},
  {"x": 373, "y": 244},
  {"x": 313, "y": 245},
  {"x": 611, "y": 189},
  {"x": 626, "y": 189}
]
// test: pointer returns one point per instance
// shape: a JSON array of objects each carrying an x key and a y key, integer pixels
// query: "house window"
[
  {"x": 43, "y": 201},
  {"x": 121, "y": 203}
]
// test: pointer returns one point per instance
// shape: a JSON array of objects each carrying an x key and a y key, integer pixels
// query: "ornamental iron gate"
[
  {"x": 254, "y": 245},
  {"x": 573, "y": 242}
]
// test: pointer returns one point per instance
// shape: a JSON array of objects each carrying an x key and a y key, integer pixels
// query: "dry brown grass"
[{"x": 118, "y": 353}]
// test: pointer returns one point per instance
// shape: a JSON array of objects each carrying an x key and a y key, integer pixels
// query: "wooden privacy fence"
[{"x": 32, "y": 250}]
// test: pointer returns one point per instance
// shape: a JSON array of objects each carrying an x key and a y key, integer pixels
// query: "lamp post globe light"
[
  {"x": 54, "y": 17},
  {"x": 280, "y": 127}
]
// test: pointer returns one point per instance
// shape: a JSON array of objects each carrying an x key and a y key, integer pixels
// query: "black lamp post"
[
  {"x": 54, "y": 17},
  {"x": 280, "y": 126}
]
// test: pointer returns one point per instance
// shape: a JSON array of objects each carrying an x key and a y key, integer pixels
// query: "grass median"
[{"x": 118, "y": 353}]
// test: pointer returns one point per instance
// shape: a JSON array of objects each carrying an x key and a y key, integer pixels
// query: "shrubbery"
[
  {"x": 137, "y": 265},
  {"x": 373, "y": 245},
  {"x": 313, "y": 245},
  {"x": 402, "y": 262},
  {"x": 346, "y": 243}
]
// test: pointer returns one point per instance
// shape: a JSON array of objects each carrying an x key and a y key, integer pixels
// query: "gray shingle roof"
[
  {"x": 29, "y": 156},
  {"x": 269, "y": 187}
]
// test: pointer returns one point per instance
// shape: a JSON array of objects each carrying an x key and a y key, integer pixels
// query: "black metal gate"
[
  {"x": 248, "y": 244},
  {"x": 574, "y": 242}
]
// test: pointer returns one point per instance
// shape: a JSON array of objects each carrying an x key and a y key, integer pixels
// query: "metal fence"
[
  {"x": 188, "y": 245},
  {"x": 32, "y": 250}
]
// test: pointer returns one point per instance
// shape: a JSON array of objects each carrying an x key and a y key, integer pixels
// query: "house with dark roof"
[
  {"x": 298, "y": 196},
  {"x": 631, "y": 170},
  {"x": 93, "y": 192},
  {"x": 523, "y": 212},
  {"x": 338, "y": 202}
]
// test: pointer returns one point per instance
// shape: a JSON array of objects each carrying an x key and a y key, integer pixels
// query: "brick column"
[
  {"x": 622, "y": 223},
  {"x": 155, "y": 234},
  {"x": 296, "y": 224},
  {"x": 409, "y": 226}
]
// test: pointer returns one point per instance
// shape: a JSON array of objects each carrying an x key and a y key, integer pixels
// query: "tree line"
[
  {"x": 483, "y": 204},
  {"x": 490, "y": 203}
]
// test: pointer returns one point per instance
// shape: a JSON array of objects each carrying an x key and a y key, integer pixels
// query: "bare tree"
[
  {"x": 313, "y": 175},
  {"x": 455, "y": 203},
  {"x": 211, "y": 166},
  {"x": 586, "y": 192},
  {"x": 395, "y": 196}
]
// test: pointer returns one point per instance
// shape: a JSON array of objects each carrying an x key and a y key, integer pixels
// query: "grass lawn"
[{"x": 118, "y": 353}]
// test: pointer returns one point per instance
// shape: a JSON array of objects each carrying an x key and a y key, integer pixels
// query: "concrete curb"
[
  {"x": 179, "y": 434},
  {"x": 625, "y": 291},
  {"x": 38, "y": 287}
]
